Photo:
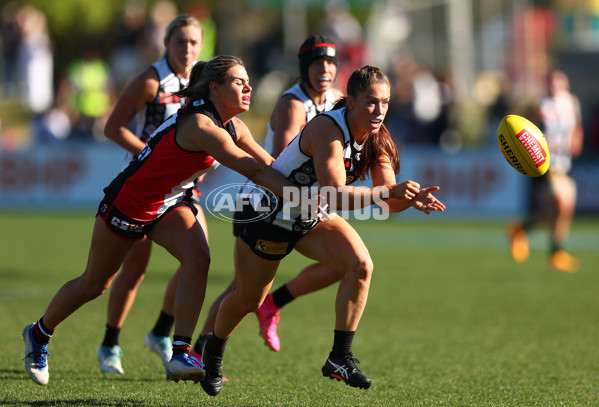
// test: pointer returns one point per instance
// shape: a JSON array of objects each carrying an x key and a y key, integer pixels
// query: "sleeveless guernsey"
[
  {"x": 165, "y": 104},
  {"x": 311, "y": 110},
  {"x": 299, "y": 169},
  {"x": 163, "y": 174}
]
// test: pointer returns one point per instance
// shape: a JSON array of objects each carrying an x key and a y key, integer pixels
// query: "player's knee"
[
  {"x": 198, "y": 264},
  {"x": 249, "y": 305},
  {"x": 362, "y": 269},
  {"x": 93, "y": 289}
]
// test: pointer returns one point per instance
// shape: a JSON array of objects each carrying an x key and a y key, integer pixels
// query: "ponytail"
[{"x": 205, "y": 72}]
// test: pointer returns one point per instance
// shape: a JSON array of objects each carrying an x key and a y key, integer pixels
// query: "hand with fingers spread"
[{"x": 425, "y": 201}]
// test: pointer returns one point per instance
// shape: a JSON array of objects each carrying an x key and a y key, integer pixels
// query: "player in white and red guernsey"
[{"x": 152, "y": 197}]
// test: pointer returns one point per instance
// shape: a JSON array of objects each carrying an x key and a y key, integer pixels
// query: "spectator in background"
[
  {"x": 130, "y": 43},
  {"x": 35, "y": 60},
  {"x": 10, "y": 36},
  {"x": 161, "y": 15},
  {"x": 88, "y": 91},
  {"x": 202, "y": 12},
  {"x": 345, "y": 29},
  {"x": 388, "y": 28},
  {"x": 420, "y": 103},
  {"x": 554, "y": 194}
]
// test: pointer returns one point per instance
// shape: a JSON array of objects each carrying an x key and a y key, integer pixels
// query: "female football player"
[
  {"x": 152, "y": 197},
  {"x": 150, "y": 98},
  {"x": 333, "y": 150}
]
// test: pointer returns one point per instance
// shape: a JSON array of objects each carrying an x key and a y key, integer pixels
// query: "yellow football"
[{"x": 523, "y": 145}]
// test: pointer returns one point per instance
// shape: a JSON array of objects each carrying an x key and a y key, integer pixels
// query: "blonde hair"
[
  {"x": 205, "y": 72},
  {"x": 182, "y": 20}
]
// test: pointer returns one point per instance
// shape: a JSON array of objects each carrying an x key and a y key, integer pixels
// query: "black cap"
[{"x": 315, "y": 47}]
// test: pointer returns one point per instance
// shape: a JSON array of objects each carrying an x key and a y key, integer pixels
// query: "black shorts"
[
  {"x": 129, "y": 228},
  {"x": 265, "y": 240}
]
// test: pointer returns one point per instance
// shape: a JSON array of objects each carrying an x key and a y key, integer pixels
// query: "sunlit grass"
[{"x": 451, "y": 320}]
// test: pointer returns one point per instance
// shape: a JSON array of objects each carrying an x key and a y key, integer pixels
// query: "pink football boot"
[{"x": 268, "y": 316}]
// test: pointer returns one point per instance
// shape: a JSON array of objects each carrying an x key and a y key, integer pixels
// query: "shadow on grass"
[
  {"x": 16, "y": 374},
  {"x": 74, "y": 402},
  {"x": 11, "y": 374}
]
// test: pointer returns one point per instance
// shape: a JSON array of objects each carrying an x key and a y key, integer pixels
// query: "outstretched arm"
[
  {"x": 198, "y": 133},
  {"x": 323, "y": 141},
  {"x": 246, "y": 142}
]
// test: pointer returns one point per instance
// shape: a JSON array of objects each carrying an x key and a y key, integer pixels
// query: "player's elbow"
[{"x": 111, "y": 129}]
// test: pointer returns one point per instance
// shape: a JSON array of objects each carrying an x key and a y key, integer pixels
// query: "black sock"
[
  {"x": 342, "y": 343},
  {"x": 164, "y": 324},
  {"x": 41, "y": 333},
  {"x": 111, "y": 336},
  {"x": 216, "y": 346},
  {"x": 181, "y": 344},
  {"x": 281, "y": 296},
  {"x": 197, "y": 347}
]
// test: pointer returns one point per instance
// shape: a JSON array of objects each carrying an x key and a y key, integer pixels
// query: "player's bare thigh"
[
  {"x": 334, "y": 243},
  {"x": 180, "y": 233}
]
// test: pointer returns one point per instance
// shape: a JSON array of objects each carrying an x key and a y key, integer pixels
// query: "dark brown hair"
[
  {"x": 205, "y": 72},
  {"x": 375, "y": 145}
]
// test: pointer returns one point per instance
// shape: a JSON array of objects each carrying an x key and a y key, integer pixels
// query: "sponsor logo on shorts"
[
  {"x": 126, "y": 226},
  {"x": 268, "y": 247}
]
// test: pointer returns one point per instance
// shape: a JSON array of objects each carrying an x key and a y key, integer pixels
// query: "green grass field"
[{"x": 451, "y": 321}]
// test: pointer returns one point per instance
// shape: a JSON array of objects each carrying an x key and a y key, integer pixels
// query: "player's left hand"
[{"x": 425, "y": 202}]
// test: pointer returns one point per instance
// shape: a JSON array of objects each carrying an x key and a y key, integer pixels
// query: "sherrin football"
[{"x": 523, "y": 145}]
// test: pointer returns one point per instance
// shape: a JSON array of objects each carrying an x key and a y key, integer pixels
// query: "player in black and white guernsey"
[
  {"x": 332, "y": 151},
  {"x": 312, "y": 95},
  {"x": 154, "y": 113},
  {"x": 298, "y": 167},
  {"x": 151, "y": 98},
  {"x": 298, "y": 92},
  {"x": 553, "y": 195}
]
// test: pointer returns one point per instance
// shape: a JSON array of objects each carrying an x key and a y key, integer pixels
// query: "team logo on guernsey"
[
  {"x": 304, "y": 175},
  {"x": 226, "y": 200}
]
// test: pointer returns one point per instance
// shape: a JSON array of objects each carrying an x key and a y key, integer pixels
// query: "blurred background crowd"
[{"x": 456, "y": 66}]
